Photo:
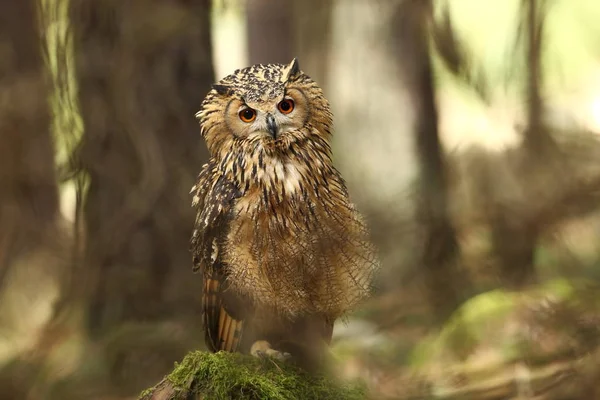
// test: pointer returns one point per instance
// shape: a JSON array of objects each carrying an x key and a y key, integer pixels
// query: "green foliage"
[
  {"x": 547, "y": 330},
  {"x": 235, "y": 376},
  {"x": 484, "y": 321}
]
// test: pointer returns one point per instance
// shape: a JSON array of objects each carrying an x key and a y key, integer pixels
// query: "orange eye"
[
  {"x": 247, "y": 115},
  {"x": 286, "y": 106}
]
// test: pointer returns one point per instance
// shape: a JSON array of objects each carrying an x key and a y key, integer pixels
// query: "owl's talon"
[
  {"x": 259, "y": 347},
  {"x": 278, "y": 355},
  {"x": 263, "y": 349}
]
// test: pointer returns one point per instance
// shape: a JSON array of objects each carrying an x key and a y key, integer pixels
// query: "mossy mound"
[
  {"x": 500, "y": 321},
  {"x": 502, "y": 339},
  {"x": 235, "y": 376}
]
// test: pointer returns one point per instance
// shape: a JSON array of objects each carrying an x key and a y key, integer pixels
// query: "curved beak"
[{"x": 272, "y": 126}]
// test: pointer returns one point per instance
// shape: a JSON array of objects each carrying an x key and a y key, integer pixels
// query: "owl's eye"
[
  {"x": 247, "y": 115},
  {"x": 286, "y": 106}
]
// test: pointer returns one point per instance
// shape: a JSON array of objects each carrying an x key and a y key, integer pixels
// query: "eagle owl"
[{"x": 283, "y": 251}]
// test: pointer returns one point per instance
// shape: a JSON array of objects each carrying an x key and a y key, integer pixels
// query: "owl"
[{"x": 283, "y": 251}]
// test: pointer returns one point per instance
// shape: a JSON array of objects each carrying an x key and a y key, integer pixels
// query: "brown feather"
[{"x": 222, "y": 330}]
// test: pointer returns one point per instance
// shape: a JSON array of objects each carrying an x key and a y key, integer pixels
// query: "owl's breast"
[{"x": 298, "y": 252}]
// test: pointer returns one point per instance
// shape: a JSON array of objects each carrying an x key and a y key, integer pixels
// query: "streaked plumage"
[{"x": 283, "y": 251}]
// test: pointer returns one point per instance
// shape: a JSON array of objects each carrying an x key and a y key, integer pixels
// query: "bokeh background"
[{"x": 467, "y": 132}]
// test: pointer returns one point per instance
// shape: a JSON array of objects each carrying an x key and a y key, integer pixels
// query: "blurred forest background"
[{"x": 467, "y": 131}]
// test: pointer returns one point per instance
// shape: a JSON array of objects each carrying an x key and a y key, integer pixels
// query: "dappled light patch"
[{"x": 502, "y": 339}]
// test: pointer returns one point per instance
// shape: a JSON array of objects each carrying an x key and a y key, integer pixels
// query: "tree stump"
[{"x": 223, "y": 375}]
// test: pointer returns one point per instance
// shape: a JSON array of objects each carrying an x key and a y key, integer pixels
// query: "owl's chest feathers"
[
  {"x": 277, "y": 177},
  {"x": 278, "y": 184},
  {"x": 292, "y": 238}
]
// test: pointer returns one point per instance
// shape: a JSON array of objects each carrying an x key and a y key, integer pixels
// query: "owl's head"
[{"x": 269, "y": 106}]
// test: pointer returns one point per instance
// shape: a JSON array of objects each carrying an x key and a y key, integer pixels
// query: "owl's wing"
[
  {"x": 223, "y": 322},
  {"x": 222, "y": 316}
]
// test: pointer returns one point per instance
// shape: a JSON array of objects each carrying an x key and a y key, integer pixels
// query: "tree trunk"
[
  {"x": 312, "y": 37},
  {"x": 514, "y": 236},
  {"x": 270, "y": 31},
  {"x": 29, "y": 202},
  {"x": 28, "y": 195},
  {"x": 447, "y": 284},
  {"x": 143, "y": 69}
]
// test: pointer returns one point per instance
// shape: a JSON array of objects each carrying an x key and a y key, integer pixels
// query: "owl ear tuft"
[
  {"x": 293, "y": 70},
  {"x": 222, "y": 90}
]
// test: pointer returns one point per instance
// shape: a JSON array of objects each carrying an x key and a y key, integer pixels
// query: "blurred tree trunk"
[
  {"x": 514, "y": 235},
  {"x": 29, "y": 201},
  {"x": 447, "y": 284},
  {"x": 270, "y": 31},
  {"x": 312, "y": 31},
  {"x": 143, "y": 69},
  {"x": 28, "y": 195},
  {"x": 280, "y": 31},
  {"x": 536, "y": 134}
]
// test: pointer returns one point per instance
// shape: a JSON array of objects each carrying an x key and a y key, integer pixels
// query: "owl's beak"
[{"x": 272, "y": 126}]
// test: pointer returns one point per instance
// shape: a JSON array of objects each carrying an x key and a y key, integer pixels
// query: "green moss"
[{"x": 235, "y": 376}]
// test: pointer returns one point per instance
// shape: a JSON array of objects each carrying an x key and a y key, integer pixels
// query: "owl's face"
[
  {"x": 267, "y": 106},
  {"x": 269, "y": 119}
]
